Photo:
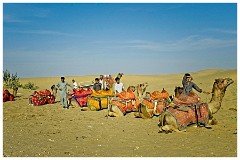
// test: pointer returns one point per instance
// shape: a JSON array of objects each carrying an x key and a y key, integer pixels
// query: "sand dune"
[{"x": 52, "y": 131}]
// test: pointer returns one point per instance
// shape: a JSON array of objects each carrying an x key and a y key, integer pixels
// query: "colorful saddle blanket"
[
  {"x": 126, "y": 101},
  {"x": 196, "y": 113},
  {"x": 99, "y": 99},
  {"x": 81, "y": 96}
]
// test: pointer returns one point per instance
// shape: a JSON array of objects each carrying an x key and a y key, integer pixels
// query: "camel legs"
[
  {"x": 115, "y": 112},
  {"x": 212, "y": 121},
  {"x": 168, "y": 123},
  {"x": 168, "y": 129}
]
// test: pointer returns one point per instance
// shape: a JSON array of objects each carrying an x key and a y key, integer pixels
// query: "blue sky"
[{"x": 64, "y": 39}]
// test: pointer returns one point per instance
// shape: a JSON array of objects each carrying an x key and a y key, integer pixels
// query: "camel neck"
[{"x": 217, "y": 95}]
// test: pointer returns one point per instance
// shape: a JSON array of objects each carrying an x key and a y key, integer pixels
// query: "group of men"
[{"x": 106, "y": 82}]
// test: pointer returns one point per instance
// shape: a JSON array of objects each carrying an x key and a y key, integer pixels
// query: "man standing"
[
  {"x": 75, "y": 86},
  {"x": 62, "y": 87},
  {"x": 118, "y": 88}
]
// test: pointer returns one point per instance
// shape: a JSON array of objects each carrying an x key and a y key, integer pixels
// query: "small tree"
[
  {"x": 6, "y": 77},
  {"x": 10, "y": 81},
  {"x": 15, "y": 81}
]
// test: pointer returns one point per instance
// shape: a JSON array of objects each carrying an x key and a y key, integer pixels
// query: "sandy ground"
[{"x": 51, "y": 131}]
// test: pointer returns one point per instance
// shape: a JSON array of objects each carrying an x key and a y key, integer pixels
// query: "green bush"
[
  {"x": 30, "y": 85},
  {"x": 10, "y": 81}
]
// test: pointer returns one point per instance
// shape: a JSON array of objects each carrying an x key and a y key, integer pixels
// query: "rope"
[
  {"x": 101, "y": 96},
  {"x": 81, "y": 96}
]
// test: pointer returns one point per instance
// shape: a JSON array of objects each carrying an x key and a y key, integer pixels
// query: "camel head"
[
  {"x": 219, "y": 88},
  {"x": 147, "y": 96},
  {"x": 145, "y": 84},
  {"x": 142, "y": 86},
  {"x": 178, "y": 91},
  {"x": 132, "y": 88},
  {"x": 120, "y": 75},
  {"x": 222, "y": 83}
]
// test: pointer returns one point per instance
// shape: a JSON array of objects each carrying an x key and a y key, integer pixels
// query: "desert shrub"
[
  {"x": 9, "y": 80},
  {"x": 30, "y": 85}
]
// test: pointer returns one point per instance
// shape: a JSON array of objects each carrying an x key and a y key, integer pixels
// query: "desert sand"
[{"x": 51, "y": 131}]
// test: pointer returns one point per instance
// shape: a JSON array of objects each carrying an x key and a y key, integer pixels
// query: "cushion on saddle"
[
  {"x": 126, "y": 95},
  {"x": 160, "y": 106},
  {"x": 98, "y": 99},
  {"x": 185, "y": 118},
  {"x": 157, "y": 95},
  {"x": 184, "y": 100},
  {"x": 127, "y": 105},
  {"x": 126, "y": 101}
]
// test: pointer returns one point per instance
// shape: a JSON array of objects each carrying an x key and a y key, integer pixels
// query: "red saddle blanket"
[
  {"x": 81, "y": 96},
  {"x": 7, "y": 96},
  {"x": 189, "y": 116},
  {"x": 184, "y": 100},
  {"x": 157, "y": 95},
  {"x": 127, "y": 101}
]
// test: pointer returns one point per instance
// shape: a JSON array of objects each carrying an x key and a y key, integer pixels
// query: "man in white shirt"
[
  {"x": 118, "y": 88},
  {"x": 75, "y": 86}
]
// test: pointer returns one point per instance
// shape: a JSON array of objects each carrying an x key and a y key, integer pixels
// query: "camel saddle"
[{"x": 192, "y": 114}]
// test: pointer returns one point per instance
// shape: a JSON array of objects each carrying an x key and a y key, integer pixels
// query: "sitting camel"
[
  {"x": 174, "y": 120},
  {"x": 123, "y": 103},
  {"x": 153, "y": 104}
]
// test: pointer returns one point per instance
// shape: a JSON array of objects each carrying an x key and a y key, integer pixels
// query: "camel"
[
  {"x": 153, "y": 104},
  {"x": 126, "y": 101},
  {"x": 168, "y": 123},
  {"x": 141, "y": 88},
  {"x": 109, "y": 82}
]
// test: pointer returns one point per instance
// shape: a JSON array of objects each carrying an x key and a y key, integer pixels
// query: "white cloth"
[
  {"x": 101, "y": 81},
  {"x": 118, "y": 87},
  {"x": 103, "y": 85}
]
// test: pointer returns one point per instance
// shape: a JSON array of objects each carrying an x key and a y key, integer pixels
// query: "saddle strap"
[{"x": 155, "y": 107}]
